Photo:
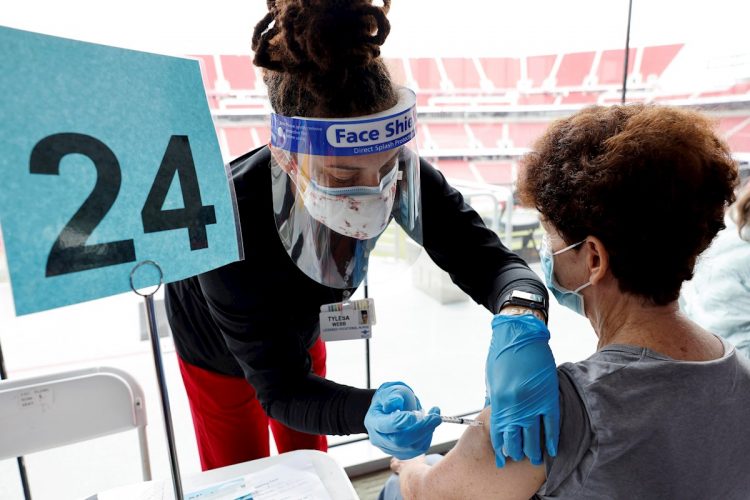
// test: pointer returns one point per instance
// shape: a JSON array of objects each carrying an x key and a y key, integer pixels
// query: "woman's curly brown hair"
[
  {"x": 652, "y": 182},
  {"x": 322, "y": 57}
]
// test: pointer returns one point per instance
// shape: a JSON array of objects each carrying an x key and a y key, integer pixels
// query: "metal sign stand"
[
  {"x": 20, "y": 460},
  {"x": 367, "y": 346},
  {"x": 156, "y": 348}
]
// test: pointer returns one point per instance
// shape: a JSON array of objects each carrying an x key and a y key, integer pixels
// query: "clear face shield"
[{"x": 338, "y": 183}]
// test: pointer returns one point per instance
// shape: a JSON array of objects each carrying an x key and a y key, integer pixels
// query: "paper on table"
[
  {"x": 294, "y": 480},
  {"x": 148, "y": 490}
]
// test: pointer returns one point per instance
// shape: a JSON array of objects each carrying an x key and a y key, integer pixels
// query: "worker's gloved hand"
[
  {"x": 396, "y": 424},
  {"x": 522, "y": 388}
]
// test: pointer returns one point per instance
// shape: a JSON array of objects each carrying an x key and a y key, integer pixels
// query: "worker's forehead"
[{"x": 375, "y": 160}]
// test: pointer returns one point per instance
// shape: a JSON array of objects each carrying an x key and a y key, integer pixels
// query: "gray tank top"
[{"x": 636, "y": 424}]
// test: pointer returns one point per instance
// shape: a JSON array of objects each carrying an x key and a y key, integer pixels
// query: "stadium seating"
[
  {"x": 448, "y": 136},
  {"x": 426, "y": 74},
  {"x": 574, "y": 69},
  {"x": 462, "y": 73},
  {"x": 239, "y": 140},
  {"x": 528, "y": 91},
  {"x": 490, "y": 135},
  {"x": 503, "y": 72},
  {"x": 539, "y": 69},
  {"x": 611, "y": 65},
  {"x": 737, "y": 132},
  {"x": 656, "y": 59}
]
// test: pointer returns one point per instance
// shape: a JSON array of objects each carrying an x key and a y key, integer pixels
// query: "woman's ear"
[{"x": 597, "y": 259}]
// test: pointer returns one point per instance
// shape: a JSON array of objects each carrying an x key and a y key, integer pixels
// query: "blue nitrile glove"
[
  {"x": 522, "y": 388},
  {"x": 396, "y": 424}
]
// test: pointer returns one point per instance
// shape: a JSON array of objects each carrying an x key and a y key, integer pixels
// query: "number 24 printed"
[{"x": 70, "y": 253}]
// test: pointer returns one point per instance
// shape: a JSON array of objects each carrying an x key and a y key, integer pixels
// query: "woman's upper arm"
[{"x": 469, "y": 471}]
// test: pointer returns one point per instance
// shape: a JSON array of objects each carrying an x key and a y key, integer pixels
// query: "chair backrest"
[{"x": 39, "y": 413}]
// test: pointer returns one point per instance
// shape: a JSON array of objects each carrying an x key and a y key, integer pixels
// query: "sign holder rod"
[{"x": 159, "y": 366}]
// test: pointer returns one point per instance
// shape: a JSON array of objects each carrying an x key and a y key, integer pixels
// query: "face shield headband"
[{"x": 337, "y": 183}]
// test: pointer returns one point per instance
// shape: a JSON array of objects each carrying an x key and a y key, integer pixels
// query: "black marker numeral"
[
  {"x": 178, "y": 160},
  {"x": 70, "y": 253}
]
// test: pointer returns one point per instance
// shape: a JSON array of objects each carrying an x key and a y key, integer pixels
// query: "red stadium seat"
[
  {"x": 426, "y": 73},
  {"x": 736, "y": 130},
  {"x": 456, "y": 169},
  {"x": 611, "y": 98},
  {"x": 670, "y": 97},
  {"x": 261, "y": 135},
  {"x": 740, "y": 142},
  {"x": 574, "y": 68},
  {"x": 737, "y": 89},
  {"x": 611, "y": 65},
  {"x": 254, "y": 105},
  {"x": 240, "y": 140},
  {"x": 490, "y": 135},
  {"x": 238, "y": 71},
  {"x": 539, "y": 68},
  {"x": 523, "y": 134},
  {"x": 715, "y": 93},
  {"x": 580, "y": 98},
  {"x": 656, "y": 59},
  {"x": 726, "y": 124},
  {"x": 503, "y": 72},
  {"x": 449, "y": 136},
  {"x": 423, "y": 98},
  {"x": 495, "y": 172},
  {"x": 462, "y": 73},
  {"x": 536, "y": 99},
  {"x": 422, "y": 135}
]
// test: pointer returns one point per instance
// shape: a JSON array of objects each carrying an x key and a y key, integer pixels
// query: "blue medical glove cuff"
[
  {"x": 396, "y": 423},
  {"x": 517, "y": 331}
]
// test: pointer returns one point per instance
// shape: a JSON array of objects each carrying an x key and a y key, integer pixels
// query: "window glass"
[{"x": 702, "y": 62}]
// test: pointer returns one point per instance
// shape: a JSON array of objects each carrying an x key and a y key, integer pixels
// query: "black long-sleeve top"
[{"x": 236, "y": 320}]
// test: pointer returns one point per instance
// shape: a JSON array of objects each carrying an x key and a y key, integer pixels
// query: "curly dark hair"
[
  {"x": 651, "y": 182},
  {"x": 322, "y": 57}
]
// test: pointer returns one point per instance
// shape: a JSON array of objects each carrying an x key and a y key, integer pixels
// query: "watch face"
[{"x": 532, "y": 297}]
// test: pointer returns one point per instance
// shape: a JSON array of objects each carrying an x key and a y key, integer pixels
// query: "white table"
[{"x": 331, "y": 474}]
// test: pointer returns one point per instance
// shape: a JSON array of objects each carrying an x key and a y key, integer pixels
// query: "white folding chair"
[{"x": 39, "y": 413}]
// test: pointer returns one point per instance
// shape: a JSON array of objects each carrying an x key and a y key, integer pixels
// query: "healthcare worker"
[{"x": 341, "y": 165}]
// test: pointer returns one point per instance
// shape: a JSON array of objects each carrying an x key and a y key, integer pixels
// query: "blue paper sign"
[{"x": 108, "y": 158}]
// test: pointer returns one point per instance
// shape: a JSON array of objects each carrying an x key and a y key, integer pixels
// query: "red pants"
[{"x": 230, "y": 425}]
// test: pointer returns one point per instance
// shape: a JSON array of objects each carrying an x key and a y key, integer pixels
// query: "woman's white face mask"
[{"x": 360, "y": 212}]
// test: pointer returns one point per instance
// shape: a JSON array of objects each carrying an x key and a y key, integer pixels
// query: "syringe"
[
  {"x": 460, "y": 420},
  {"x": 451, "y": 420}
]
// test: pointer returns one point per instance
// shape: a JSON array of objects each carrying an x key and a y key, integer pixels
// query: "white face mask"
[{"x": 360, "y": 212}]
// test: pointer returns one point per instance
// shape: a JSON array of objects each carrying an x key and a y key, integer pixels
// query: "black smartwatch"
[{"x": 524, "y": 299}]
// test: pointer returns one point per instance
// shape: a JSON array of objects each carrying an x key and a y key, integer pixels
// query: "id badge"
[{"x": 347, "y": 320}]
